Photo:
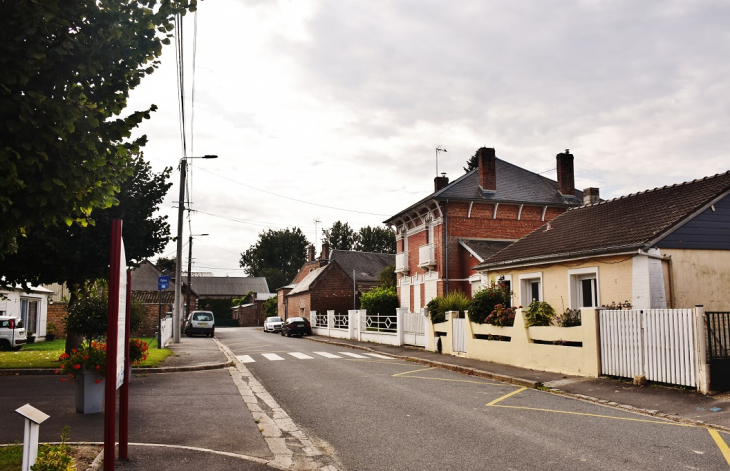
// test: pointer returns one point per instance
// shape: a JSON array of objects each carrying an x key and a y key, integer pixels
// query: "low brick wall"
[{"x": 56, "y": 313}]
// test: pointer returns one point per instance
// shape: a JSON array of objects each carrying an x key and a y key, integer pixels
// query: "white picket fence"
[
  {"x": 166, "y": 333},
  {"x": 660, "y": 344}
]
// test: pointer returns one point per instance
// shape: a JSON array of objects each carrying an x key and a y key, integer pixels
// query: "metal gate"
[
  {"x": 459, "y": 340},
  {"x": 718, "y": 349}
]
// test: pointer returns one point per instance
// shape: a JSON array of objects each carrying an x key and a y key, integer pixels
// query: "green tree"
[
  {"x": 387, "y": 277},
  {"x": 375, "y": 239},
  {"x": 75, "y": 254},
  {"x": 166, "y": 264},
  {"x": 271, "y": 308},
  {"x": 471, "y": 163},
  {"x": 66, "y": 70},
  {"x": 277, "y": 255},
  {"x": 340, "y": 236}
]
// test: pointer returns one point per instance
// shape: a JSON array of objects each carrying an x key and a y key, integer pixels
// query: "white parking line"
[
  {"x": 246, "y": 359},
  {"x": 377, "y": 355},
  {"x": 272, "y": 356},
  {"x": 301, "y": 356},
  {"x": 327, "y": 355},
  {"x": 353, "y": 355}
]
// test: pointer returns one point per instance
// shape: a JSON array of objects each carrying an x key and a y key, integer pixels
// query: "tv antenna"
[{"x": 438, "y": 149}]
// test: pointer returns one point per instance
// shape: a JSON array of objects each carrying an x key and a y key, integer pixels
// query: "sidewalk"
[
  {"x": 192, "y": 420},
  {"x": 672, "y": 403}
]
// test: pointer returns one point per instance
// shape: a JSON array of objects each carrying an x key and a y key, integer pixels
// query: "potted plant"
[
  {"x": 86, "y": 367},
  {"x": 50, "y": 331},
  {"x": 30, "y": 338}
]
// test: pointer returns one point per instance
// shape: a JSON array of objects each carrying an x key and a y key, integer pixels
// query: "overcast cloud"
[{"x": 342, "y": 104}]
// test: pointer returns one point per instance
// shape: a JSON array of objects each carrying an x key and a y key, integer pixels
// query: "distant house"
[
  {"x": 32, "y": 307},
  {"x": 442, "y": 236},
  {"x": 252, "y": 313},
  {"x": 663, "y": 248},
  {"x": 328, "y": 284},
  {"x": 225, "y": 287}
]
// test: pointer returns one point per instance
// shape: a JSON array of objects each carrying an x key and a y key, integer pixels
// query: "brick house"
[
  {"x": 663, "y": 248},
  {"x": 327, "y": 283},
  {"x": 441, "y": 237},
  {"x": 252, "y": 313}
]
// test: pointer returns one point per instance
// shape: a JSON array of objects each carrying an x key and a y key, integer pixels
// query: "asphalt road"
[{"x": 382, "y": 414}]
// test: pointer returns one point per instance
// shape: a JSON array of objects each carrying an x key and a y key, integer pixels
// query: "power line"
[
  {"x": 246, "y": 221},
  {"x": 295, "y": 199}
]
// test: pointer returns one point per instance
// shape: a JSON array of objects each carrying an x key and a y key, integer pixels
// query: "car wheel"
[{"x": 4, "y": 345}]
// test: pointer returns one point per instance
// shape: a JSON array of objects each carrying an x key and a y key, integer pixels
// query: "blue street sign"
[{"x": 163, "y": 282}]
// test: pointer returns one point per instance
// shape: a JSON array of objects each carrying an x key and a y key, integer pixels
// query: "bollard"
[{"x": 33, "y": 420}]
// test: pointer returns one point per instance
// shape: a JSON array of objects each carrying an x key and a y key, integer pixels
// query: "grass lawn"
[
  {"x": 45, "y": 355},
  {"x": 11, "y": 457}
]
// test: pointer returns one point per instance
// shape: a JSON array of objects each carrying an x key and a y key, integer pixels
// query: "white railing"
[
  {"x": 656, "y": 343},
  {"x": 381, "y": 322},
  {"x": 319, "y": 318},
  {"x": 401, "y": 262},
  {"x": 341, "y": 321},
  {"x": 426, "y": 256}
]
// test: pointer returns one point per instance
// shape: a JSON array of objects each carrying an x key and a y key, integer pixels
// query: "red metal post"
[{"x": 110, "y": 398}]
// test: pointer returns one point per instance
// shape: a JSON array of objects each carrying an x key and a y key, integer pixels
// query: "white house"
[{"x": 32, "y": 307}]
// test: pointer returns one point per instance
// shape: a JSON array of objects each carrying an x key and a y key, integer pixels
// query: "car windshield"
[
  {"x": 274, "y": 319},
  {"x": 202, "y": 316}
]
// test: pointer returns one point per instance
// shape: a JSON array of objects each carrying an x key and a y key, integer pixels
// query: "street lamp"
[
  {"x": 178, "y": 260},
  {"x": 190, "y": 267}
]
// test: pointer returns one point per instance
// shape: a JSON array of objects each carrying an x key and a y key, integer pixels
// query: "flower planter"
[
  {"x": 89, "y": 392},
  {"x": 50, "y": 337},
  {"x": 30, "y": 339}
]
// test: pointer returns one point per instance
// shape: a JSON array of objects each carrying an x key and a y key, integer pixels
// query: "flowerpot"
[
  {"x": 30, "y": 339},
  {"x": 50, "y": 337},
  {"x": 89, "y": 392}
]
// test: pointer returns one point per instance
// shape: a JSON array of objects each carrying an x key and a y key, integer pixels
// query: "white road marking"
[
  {"x": 272, "y": 356},
  {"x": 377, "y": 355},
  {"x": 301, "y": 356},
  {"x": 245, "y": 359},
  {"x": 353, "y": 355},
  {"x": 327, "y": 355}
]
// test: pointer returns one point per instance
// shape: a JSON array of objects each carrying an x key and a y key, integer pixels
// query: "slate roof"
[
  {"x": 514, "y": 185},
  {"x": 367, "y": 265},
  {"x": 638, "y": 220},
  {"x": 228, "y": 285},
  {"x": 483, "y": 249},
  {"x": 303, "y": 285}
]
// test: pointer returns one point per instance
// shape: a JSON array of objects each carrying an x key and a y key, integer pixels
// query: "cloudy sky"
[{"x": 332, "y": 109}]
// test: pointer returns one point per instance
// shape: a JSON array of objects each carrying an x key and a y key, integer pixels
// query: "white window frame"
[
  {"x": 575, "y": 292},
  {"x": 526, "y": 280}
]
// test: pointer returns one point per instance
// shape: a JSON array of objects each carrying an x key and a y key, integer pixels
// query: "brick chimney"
[
  {"x": 440, "y": 182},
  {"x": 310, "y": 253},
  {"x": 590, "y": 196},
  {"x": 487, "y": 169},
  {"x": 325, "y": 250},
  {"x": 566, "y": 180}
]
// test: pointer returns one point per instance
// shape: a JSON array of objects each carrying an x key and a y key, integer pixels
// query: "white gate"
[
  {"x": 414, "y": 328},
  {"x": 459, "y": 340},
  {"x": 656, "y": 343}
]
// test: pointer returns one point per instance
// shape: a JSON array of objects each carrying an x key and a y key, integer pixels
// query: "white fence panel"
[
  {"x": 459, "y": 340},
  {"x": 656, "y": 343},
  {"x": 166, "y": 334},
  {"x": 414, "y": 328}
]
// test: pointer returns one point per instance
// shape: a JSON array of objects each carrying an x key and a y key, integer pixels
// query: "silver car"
[
  {"x": 273, "y": 324},
  {"x": 200, "y": 322}
]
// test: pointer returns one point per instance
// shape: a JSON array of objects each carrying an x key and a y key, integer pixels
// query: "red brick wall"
[{"x": 56, "y": 313}]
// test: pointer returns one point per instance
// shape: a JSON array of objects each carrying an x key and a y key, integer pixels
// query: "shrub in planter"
[
  {"x": 570, "y": 318},
  {"x": 454, "y": 301},
  {"x": 380, "y": 301},
  {"x": 539, "y": 313},
  {"x": 88, "y": 317},
  {"x": 501, "y": 316},
  {"x": 50, "y": 331},
  {"x": 484, "y": 301}
]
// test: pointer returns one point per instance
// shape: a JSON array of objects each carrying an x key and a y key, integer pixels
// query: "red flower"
[
  {"x": 97, "y": 381},
  {"x": 98, "y": 367},
  {"x": 86, "y": 357},
  {"x": 63, "y": 356},
  {"x": 74, "y": 350},
  {"x": 77, "y": 366}
]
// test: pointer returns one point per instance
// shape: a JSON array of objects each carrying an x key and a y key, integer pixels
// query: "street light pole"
[{"x": 176, "y": 309}]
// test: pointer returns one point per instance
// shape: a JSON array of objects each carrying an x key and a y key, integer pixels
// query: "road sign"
[{"x": 163, "y": 282}]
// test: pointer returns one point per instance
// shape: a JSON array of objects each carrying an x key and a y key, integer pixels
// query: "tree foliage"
[
  {"x": 75, "y": 254},
  {"x": 375, "y": 239},
  {"x": 387, "y": 277},
  {"x": 277, "y": 255},
  {"x": 166, "y": 264},
  {"x": 471, "y": 163},
  {"x": 340, "y": 236},
  {"x": 271, "y": 308},
  {"x": 383, "y": 301},
  {"x": 66, "y": 70}
]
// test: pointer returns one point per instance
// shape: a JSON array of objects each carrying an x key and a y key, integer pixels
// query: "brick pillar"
[{"x": 566, "y": 180}]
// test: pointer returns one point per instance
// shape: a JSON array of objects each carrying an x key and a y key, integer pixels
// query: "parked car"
[
  {"x": 12, "y": 333},
  {"x": 200, "y": 322},
  {"x": 296, "y": 326},
  {"x": 273, "y": 324}
]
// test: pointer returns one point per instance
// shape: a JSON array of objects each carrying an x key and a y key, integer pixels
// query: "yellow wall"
[
  {"x": 614, "y": 280},
  {"x": 701, "y": 277}
]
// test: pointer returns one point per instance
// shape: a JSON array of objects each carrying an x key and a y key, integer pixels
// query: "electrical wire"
[
  {"x": 249, "y": 222},
  {"x": 295, "y": 199}
]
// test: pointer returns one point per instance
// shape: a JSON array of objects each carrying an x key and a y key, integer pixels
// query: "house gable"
[{"x": 710, "y": 229}]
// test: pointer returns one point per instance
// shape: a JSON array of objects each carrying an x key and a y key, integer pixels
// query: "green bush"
[
  {"x": 88, "y": 316},
  {"x": 501, "y": 316},
  {"x": 539, "y": 313},
  {"x": 455, "y": 301},
  {"x": 380, "y": 301},
  {"x": 484, "y": 301},
  {"x": 570, "y": 318},
  {"x": 55, "y": 457},
  {"x": 271, "y": 307}
]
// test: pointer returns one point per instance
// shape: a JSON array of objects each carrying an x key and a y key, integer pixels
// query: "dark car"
[
  {"x": 200, "y": 322},
  {"x": 296, "y": 326}
]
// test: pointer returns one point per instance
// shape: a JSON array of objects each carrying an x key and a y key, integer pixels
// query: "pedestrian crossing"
[{"x": 304, "y": 356}]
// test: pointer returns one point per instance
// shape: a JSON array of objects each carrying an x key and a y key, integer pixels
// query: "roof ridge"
[{"x": 651, "y": 190}]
